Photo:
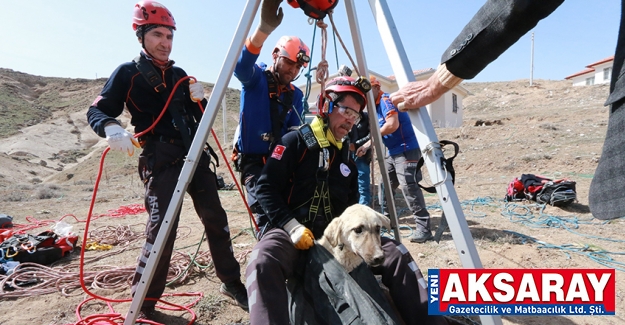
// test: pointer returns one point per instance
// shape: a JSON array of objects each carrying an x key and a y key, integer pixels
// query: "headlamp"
[
  {"x": 363, "y": 84},
  {"x": 302, "y": 57}
]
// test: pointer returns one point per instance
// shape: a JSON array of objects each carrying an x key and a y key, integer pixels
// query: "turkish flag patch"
[{"x": 277, "y": 152}]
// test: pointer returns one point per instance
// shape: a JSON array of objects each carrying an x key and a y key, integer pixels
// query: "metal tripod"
[
  {"x": 421, "y": 122},
  {"x": 426, "y": 136}
]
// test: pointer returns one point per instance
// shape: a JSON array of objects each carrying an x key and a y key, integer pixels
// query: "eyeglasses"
[{"x": 349, "y": 113}]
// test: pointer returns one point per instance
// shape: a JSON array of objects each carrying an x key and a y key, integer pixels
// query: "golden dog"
[{"x": 354, "y": 237}]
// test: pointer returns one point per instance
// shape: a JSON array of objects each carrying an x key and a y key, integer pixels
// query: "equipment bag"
[
  {"x": 44, "y": 248},
  {"x": 543, "y": 190},
  {"x": 327, "y": 294}
]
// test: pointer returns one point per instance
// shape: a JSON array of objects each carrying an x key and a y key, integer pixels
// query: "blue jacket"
[
  {"x": 403, "y": 139},
  {"x": 255, "y": 116}
]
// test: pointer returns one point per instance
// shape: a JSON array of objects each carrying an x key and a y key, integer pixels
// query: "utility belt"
[
  {"x": 160, "y": 138},
  {"x": 251, "y": 159}
]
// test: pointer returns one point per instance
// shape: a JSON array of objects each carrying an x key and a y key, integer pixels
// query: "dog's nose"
[{"x": 377, "y": 261}]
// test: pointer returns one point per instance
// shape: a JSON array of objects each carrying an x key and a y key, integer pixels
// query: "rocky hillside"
[
  {"x": 509, "y": 128},
  {"x": 43, "y": 129}
]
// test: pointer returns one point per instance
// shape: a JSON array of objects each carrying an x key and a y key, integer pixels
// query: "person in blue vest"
[
  {"x": 164, "y": 148},
  {"x": 270, "y": 103},
  {"x": 401, "y": 160}
]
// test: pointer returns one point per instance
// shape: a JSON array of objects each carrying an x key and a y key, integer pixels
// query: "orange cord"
[{"x": 112, "y": 317}]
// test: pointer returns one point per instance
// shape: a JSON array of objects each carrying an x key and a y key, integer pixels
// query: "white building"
[
  {"x": 446, "y": 112},
  {"x": 595, "y": 73}
]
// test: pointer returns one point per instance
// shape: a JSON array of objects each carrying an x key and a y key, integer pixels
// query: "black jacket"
[
  {"x": 493, "y": 29},
  {"x": 360, "y": 134},
  {"x": 128, "y": 88},
  {"x": 290, "y": 177}
]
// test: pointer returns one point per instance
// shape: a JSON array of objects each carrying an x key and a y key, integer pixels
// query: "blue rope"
[
  {"x": 597, "y": 255},
  {"x": 526, "y": 217},
  {"x": 336, "y": 52},
  {"x": 388, "y": 234},
  {"x": 469, "y": 206},
  {"x": 308, "y": 74}
]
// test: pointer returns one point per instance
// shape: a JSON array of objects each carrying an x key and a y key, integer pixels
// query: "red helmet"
[
  {"x": 151, "y": 12},
  {"x": 294, "y": 49},
  {"x": 316, "y": 9},
  {"x": 344, "y": 84}
]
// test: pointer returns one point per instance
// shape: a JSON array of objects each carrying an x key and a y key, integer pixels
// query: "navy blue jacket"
[
  {"x": 255, "y": 116},
  {"x": 287, "y": 184},
  {"x": 128, "y": 88}
]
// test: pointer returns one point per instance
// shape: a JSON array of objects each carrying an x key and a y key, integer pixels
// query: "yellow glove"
[{"x": 301, "y": 236}]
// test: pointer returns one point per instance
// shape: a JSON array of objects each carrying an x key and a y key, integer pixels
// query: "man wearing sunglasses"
[
  {"x": 307, "y": 181},
  {"x": 401, "y": 160},
  {"x": 270, "y": 103}
]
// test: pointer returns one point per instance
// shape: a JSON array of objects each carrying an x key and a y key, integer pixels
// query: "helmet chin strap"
[{"x": 274, "y": 69}]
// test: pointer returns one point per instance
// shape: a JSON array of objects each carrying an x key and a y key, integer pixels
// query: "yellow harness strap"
[{"x": 324, "y": 138}]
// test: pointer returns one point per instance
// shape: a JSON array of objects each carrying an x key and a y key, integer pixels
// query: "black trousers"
[
  {"x": 159, "y": 168},
  {"x": 251, "y": 168},
  {"x": 274, "y": 259}
]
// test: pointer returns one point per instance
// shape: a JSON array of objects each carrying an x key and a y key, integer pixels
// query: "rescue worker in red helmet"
[
  {"x": 164, "y": 148},
  {"x": 303, "y": 186},
  {"x": 270, "y": 103}
]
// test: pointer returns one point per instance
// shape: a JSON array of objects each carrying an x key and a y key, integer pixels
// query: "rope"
[
  {"x": 336, "y": 32},
  {"x": 527, "y": 218},
  {"x": 82, "y": 274},
  {"x": 308, "y": 74},
  {"x": 322, "y": 73},
  {"x": 596, "y": 254}
]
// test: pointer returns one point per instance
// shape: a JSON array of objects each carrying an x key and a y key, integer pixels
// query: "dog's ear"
[
  {"x": 386, "y": 222},
  {"x": 333, "y": 232}
]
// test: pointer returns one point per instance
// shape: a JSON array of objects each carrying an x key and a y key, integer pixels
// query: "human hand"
[
  {"x": 416, "y": 94},
  {"x": 120, "y": 139},
  {"x": 270, "y": 16},
  {"x": 196, "y": 90},
  {"x": 301, "y": 236},
  {"x": 361, "y": 151}
]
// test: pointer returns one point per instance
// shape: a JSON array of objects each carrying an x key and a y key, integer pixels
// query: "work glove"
[
  {"x": 301, "y": 236},
  {"x": 197, "y": 91},
  {"x": 270, "y": 16},
  {"x": 120, "y": 139}
]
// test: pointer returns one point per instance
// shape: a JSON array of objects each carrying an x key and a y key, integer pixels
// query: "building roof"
[
  {"x": 589, "y": 68},
  {"x": 585, "y": 71},
  {"x": 608, "y": 59},
  {"x": 416, "y": 73}
]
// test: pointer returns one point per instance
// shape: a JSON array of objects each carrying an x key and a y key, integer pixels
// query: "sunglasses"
[{"x": 349, "y": 113}]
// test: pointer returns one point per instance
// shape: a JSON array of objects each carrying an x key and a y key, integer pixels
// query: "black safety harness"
[
  {"x": 321, "y": 197},
  {"x": 278, "y": 119},
  {"x": 447, "y": 164},
  {"x": 181, "y": 120}
]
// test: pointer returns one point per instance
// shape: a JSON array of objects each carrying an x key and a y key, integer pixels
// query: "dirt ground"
[{"x": 509, "y": 129}]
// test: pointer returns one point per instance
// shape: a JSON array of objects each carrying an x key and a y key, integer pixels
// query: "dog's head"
[{"x": 358, "y": 230}]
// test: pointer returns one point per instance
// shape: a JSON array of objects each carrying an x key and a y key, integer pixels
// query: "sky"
[{"x": 89, "y": 39}]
